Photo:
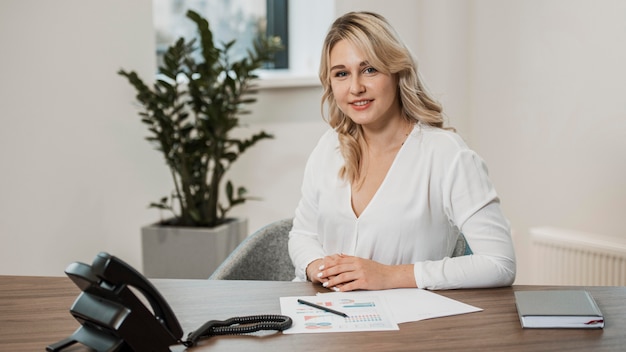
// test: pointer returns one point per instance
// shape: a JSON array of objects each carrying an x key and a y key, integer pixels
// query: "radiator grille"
[{"x": 563, "y": 257}]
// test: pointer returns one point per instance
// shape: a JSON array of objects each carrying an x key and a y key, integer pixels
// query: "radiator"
[{"x": 564, "y": 257}]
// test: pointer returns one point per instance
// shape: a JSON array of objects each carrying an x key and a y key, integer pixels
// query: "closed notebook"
[{"x": 558, "y": 309}]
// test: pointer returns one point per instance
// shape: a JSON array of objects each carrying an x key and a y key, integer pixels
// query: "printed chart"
[{"x": 365, "y": 313}]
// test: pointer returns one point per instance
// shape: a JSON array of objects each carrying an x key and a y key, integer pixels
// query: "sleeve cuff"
[{"x": 419, "y": 277}]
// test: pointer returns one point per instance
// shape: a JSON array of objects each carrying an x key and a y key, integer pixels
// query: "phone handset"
[{"x": 116, "y": 272}]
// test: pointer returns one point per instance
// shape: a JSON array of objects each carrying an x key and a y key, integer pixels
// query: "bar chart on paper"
[{"x": 364, "y": 314}]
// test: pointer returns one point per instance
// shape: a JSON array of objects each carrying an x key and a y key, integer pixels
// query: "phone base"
[{"x": 91, "y": 338}]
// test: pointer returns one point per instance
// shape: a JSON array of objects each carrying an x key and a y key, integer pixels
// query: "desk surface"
[{"x": 34, "y": 312}]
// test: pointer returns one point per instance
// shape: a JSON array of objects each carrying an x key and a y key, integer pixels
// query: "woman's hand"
[
  {"x": 342, "y": 272},
  {"x": 313, "y": 270}
]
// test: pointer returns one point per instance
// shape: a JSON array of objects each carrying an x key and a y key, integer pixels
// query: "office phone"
[{"x": 114, "y": 318}]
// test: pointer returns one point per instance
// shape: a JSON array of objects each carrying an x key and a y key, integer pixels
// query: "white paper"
[
  {"x": 413, "y": 304},
  {"x": 365, "y": 313}
]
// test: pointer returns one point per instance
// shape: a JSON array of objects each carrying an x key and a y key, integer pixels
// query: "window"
[
  {"x": 240, "y": 20},
  {"x": 301, "y": 25}
]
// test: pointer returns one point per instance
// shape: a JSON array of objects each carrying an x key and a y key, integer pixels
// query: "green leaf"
[{"x": 229, "y": 190}]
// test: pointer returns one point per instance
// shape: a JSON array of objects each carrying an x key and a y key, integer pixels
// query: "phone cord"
[{"x": 238, "y": 325}]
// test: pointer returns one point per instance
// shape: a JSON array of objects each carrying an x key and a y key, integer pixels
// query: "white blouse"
[{"x": 435, "y": 189}]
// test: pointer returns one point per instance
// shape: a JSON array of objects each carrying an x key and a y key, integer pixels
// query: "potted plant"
[{"x": 190, "y": 111}]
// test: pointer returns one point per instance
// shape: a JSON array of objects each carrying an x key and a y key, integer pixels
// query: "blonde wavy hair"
[{"x": 386, "y": 52}]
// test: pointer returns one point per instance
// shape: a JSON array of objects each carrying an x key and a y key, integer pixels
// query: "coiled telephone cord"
[{"x": 237, "y": 326}]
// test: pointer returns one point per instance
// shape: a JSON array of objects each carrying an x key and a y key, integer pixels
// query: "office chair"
[
  {"x": 261, "y": 256},
  {"x": 462, "y": 247},
  {"x": 264, "y": 255}
]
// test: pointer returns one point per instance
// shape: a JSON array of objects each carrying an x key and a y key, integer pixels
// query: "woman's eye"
[
  {"x": 340, "y": 74},
  {"x": 370, "y": 70}
]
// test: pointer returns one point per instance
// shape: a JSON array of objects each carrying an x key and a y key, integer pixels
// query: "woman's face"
[{"x": 367, "y": 96}]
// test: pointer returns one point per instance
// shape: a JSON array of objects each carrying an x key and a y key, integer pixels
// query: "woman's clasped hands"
[{"x": 341, "y": 272}]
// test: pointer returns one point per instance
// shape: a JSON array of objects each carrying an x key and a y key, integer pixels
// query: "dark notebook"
[{"x": 558, "y": 309}]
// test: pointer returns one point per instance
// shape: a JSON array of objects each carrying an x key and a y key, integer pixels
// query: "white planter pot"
[{"x": 188, "y": 252}]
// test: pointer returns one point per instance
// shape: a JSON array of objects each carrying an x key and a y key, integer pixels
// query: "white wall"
[
  {"x": 75, "y": 173},
  {"x": 534, "y": 86},
  {"x": 548, "y": 111}
]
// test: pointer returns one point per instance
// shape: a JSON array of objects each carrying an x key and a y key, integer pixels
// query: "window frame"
[{"x": 277, "y": 15}]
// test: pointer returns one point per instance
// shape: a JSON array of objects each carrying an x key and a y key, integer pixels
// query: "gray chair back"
[
  {"x": 261, "y": 256},
  {"x": 462, "y": 247}
]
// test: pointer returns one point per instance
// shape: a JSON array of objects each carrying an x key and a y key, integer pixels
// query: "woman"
[{"x": 388, "y": 190}]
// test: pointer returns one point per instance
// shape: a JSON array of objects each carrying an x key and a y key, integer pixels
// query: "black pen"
[{"x": 323, "y": 308}]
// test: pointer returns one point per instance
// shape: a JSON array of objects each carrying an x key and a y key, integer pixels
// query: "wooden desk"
[{"x": 34, "y": 312}]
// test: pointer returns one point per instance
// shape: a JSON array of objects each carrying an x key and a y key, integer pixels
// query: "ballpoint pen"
[{"x": 323, "y": 308}]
